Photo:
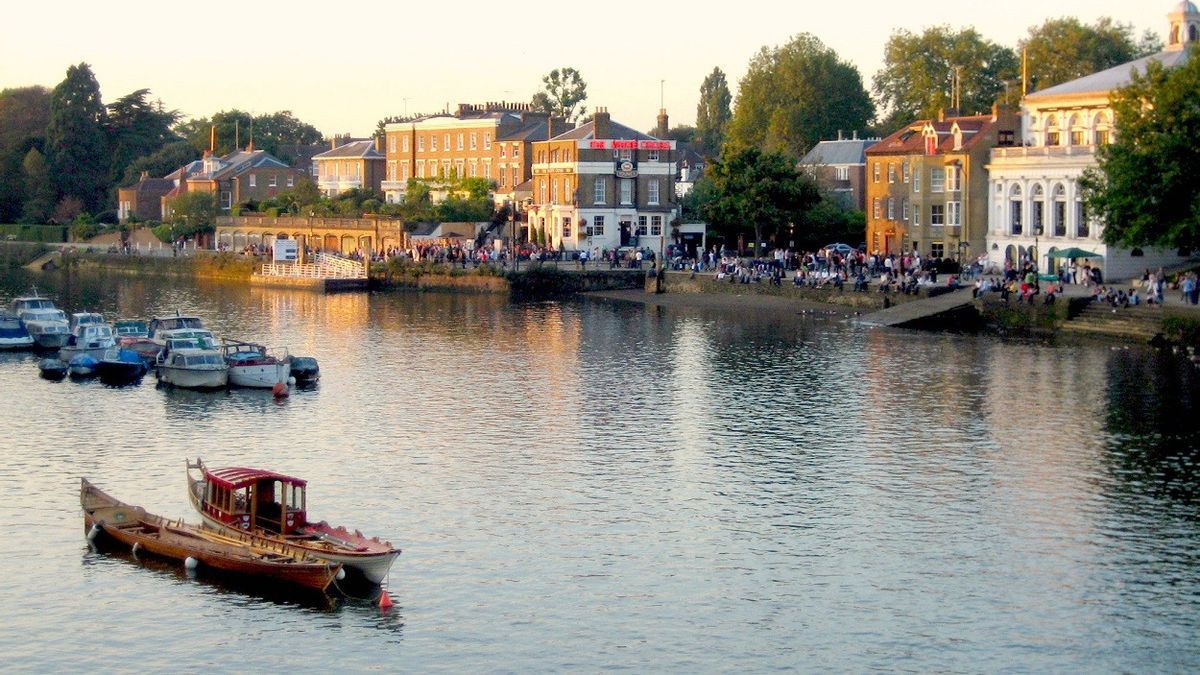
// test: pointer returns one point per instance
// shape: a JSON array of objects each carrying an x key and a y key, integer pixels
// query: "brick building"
[
  {"x": 841, "y": 168},
  {"x": 236, "y": 178},
  {"x": 602, "y": 186},
  {"x": 143, "y": 200},
  {"x": 349, "y": 164},
  {"x": 927, "y": 186}
]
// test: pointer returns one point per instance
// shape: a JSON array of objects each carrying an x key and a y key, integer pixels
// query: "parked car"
[{"x": 841, "y": 249}]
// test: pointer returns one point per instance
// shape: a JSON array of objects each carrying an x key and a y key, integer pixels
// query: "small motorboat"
[
  {"x": 52, "y": 369},
  {"x": 198, "y": 548},
  {"x": 250, "y": 365},
  {"x": 89, "y": 335},
  {"x": 144, "y": 347},
  {"x": 13, "y": 334},
  {"x": 82, "y": 366},
  {"x": 131, "y": 328},
  {"x": 161, "y": 324},
  {"x": 47, "y": 324},
  {"x": 305, "y": 369},
  {"x": 243, "y": 502},
  {"x": 192, "y": 367},
  {"x": 121, "y": 366}
]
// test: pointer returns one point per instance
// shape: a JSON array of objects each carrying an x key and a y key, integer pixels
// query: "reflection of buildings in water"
[{"x": 552, "y": 338}]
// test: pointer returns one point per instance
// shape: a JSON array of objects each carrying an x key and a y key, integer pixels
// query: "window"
[
  {"x": 656, "y": 226},
  {"x": 391, "y": 171},
  {"x": 391, "y": 144},
  {"x": 445, "y": 168},
  {"x": 1081, "y": 223},
  {"x": 876, "y": 209},
  {"x": 1052, "y": 138},
  {"x": 641, "y": 227},
  {"x": 1015, "y": 209},
  {"x": 487, "y": 169},
  {"x": 931, "y": 144},
  {"x": 554, "y": 156},
  {"x": 626, "y": 154},
  {"x": 460, "y": 141},
  {"x": 554, "y": 190},
  {"x": 291, "y": 181},
  {"x": 503, "y": 149},
  {"x": 433, "y": 143},
  {"x": 903, "y": 209},
  {"x": 472, "y": 169},
  {"x": 598, "y": 226},
  {"x": 420, "y": 143},
  {"x": 626, "y": 191},
  {"x": 953, "y": 179},
  {"x": 446, "y": 141},
  {"x": 542, "y": 188},
  {"x": 937, "y": 215},
  {"x": 936, "y": 249},
  {"x": 516, "y": 177},
  {"x": 891, "y": 173},
  {"x": 1077, "y": 137},
  {"x": 954, "y": 213},
  {"x": 566, "y": 228},
  {"x": 487, "y": 140},
  {"x": 404, "y": 172},
  {"x": 652, "y": 192},
  {"x": 252, "y": 181},
  {"x": 917, "y": 216},
  {"x": 516, "y": 150},
  {"x": 273, "y": 181},
  {"x": 568, "y": 195},
  {"x": 1102, "y": 137},
  {"x": 420, "y": 169},
  {"x": 404, "y": 144},
  {"x": 904, "y": 170},
  {"x": 891, "y": 208},
  {"x": 653, "y": 156},
  {"x": 474, "y": 140},
  {"x": 937, "y": 180},
  {"x": 875, "y": 172},
  {"x": 598, "y": 188},
  {"x": 503, "y": 179},
  {"x": 917, "y": 180},
  {"x": 841, "y": 173}
]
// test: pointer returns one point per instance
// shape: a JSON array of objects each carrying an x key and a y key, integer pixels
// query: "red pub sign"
[{"x": 604, "y": 144}]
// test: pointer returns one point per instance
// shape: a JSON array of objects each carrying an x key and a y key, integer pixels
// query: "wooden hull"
[
  {"x": 133, "y": 526},
  {"x": 371, "y": 561}
]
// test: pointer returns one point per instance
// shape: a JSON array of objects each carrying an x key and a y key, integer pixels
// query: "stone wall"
[{"x": 685, "y": 282}]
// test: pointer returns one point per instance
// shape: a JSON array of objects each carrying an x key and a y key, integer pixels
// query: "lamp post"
[{"x": 1037, "y": 255}]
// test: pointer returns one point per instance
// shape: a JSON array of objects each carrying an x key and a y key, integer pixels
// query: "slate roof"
[
  {"x": 616, "y": 131},
  {"x": 533, "y": 132},
  {"x": 830, "y": 153},
  {"x": 353, "y": 150},
  {"x": 149, "y": 186},
  {"x": 910, "y": 140},
  {"x": 1113, "y": 78}
]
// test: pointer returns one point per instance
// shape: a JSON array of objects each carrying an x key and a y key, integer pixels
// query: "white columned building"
[{"x": 1034, "y": 205}]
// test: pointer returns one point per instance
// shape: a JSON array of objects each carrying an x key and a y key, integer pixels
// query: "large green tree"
[
  {"x": 713, "y": 113},
  {"x": 39, "y": 189},
  {"x": 563, "y": 90},
  {"x": 231, "y": 130},
  {"x": 24, "y": 114},
  {"x": 193, "y": 212},
  {"x": 795, "y": 95},
  {"x": 751, "y": 191},
  {"x": 275, "y": 130},
  {"x": 1145, "y": 190},
  {"x": 160, "y": 162},
  {"x": 920, "y": 70},
  {"x": 77, "y": 149},
  {"x": 1065, "y": 49},
  {"x": 137, "y": 127}
]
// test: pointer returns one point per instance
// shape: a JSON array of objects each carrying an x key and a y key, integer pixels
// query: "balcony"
[
  {"x": 394, "y": 185},
  {"x": 1020, "y": 152},
  {"x": 338, "y": 183}
]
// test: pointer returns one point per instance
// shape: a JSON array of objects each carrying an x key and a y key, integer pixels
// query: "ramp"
[
  {"x": 908, "y": 312},
  {"x": 40, "y": 263}
]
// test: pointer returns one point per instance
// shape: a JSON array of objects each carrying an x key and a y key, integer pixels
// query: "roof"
[
  {"x": 851, "y": 151},
  {"x": 616, "y": 131},
  {"x": 352, "y": 150},
  {"x": 537, "y": 131},
  {"x": 1113, "y": 78},
  {"x": 911, "y": 140},
  {"x": 236, "y": 477}
]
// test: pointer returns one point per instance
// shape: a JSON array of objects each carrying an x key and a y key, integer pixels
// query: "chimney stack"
[
  {"x": 379, "y": 144},
  {"x": 601, "y": 122},
  {"x": 662, "y": 123},
  {"x": 854, "y": 135},
  {"x": 840, "y": 135}
]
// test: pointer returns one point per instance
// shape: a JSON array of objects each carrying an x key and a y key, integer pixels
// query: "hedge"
[{"x": 42, "y": 233}]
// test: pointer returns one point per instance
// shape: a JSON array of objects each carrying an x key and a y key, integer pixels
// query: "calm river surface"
[{"x": 590, "y": 485}]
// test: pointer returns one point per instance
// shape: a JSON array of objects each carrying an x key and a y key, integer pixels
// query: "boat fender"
[
  {"x": 94, "y": 532},
  {"x": 136, "y": 546},
  {"x": 341, "y": 574},
  {"x": 190, "y": 564},
  {"x": 385, "y": 600},
  {"x": 280, "y": 390},
  {"x": 291, "y": 381}
]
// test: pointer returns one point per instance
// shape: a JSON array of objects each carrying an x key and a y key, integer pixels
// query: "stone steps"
[{"x": 1139, "y": 322}]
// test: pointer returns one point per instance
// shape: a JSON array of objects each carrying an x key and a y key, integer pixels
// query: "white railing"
[
  {"x": 353, "y": 267},
  {"x": 323, "y": 267},
  {"x": 1043, "y": 151}
]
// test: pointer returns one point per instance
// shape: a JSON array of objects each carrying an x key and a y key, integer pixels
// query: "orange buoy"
[
  {"x": 385, "y": 601},
  {"x": 280, "y": 390}
]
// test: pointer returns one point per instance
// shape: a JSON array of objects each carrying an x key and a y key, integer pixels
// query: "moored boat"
[
  {"x": 305, "y": 369},
  {"x": 192, "y": 367},
  {"x": 144, "y": 347},
  {"x": 130, "y": 328},
  {"x": 120, "y": 366},
  {"x": 258, "y": 558},
  {"x": 255, "y": 502},
  {"x": 160, "y": 324},
  {"x": 52, "y": 369},
  {"x": 82, "y": 366},
  {"x": 250, "y": 365},
  {"x": 47, "y": 326},
  {"x": 89, "y": 335},
  {"x": 13, "y": 334}
]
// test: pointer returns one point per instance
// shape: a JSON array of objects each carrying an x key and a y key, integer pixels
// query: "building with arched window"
[{"x": 1035, "y": 205}]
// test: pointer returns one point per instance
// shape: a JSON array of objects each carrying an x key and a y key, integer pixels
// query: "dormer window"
[{"x": 931, "y": 143}]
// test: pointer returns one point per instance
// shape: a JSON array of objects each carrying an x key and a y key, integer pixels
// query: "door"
[{"x": 626, "y": 231}]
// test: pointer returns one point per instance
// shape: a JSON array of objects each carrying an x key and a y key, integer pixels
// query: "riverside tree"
[
  {"x": 713, "y": 113},
  {"x": 24, "y": 114},
  {"x": 137, "y": 127},
  {"x": 77, "y": 149},
  {"x": 563, "y": 90},
  {"x": 1145, "y": 189},
  {"x": 795, "y": 95},
  {"x": 1065, "y": 49},
  {"x": 919, "y": 72},
  {"x": 758, "y": 192}
]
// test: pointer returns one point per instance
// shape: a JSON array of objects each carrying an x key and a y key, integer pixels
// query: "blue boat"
[
  {"x": 82, "y": 365},
  {"x": 121, "y": 366},
  {"x": 52, "y": 369},
  {"x": 13, "y": 334}
]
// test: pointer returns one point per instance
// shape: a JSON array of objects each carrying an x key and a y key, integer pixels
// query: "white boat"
[
  {"x": 251, "y": 365},
  {"x": 13, "y": 334},
  {"x": 47, "y": 324},
  {"x": 160, "y": 324},
  {"x": 89, "y": 335},
  {"x": 193, "y": 368}
]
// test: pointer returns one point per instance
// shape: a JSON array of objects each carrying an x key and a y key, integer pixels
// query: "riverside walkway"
[{"x": 909, "y": 312}]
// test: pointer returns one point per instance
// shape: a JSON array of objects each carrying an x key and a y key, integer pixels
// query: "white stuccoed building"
[{"x": 1035, "y": 205}]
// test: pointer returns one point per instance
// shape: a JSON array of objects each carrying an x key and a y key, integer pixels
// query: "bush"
[
  {"x": 107, "y": 217},
  {"x": 163, "y": 232}
]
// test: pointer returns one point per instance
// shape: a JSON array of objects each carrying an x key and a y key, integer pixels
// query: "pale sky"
[{"x": 341, "y": 66}]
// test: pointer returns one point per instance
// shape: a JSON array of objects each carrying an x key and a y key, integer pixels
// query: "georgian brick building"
[
  {"x": 348, "y": 165},
  {"x": 236, "y": 178},
  {"x": 603, "y": 185}
]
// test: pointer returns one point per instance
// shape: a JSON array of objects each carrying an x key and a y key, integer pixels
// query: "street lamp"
[{"x": 1037, "y": 256}]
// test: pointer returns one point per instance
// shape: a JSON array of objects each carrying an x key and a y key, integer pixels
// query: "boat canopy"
[{"x": 237, "y": 477}]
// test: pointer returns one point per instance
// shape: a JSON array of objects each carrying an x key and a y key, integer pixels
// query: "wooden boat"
[
  {"x": 259, "y": 558},
  {"x": 241, "y": 501},
  {"x": 251, "y": 365}
]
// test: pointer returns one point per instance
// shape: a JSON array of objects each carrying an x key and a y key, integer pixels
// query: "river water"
[{"x": 591, "y": 484}]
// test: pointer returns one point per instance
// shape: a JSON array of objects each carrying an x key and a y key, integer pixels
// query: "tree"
[
  {"x": 39, "y": 191},
  {"x": 24, "y": 114},
  {"x": 793, "y": 96},
  {"x": 564, "y": 89},
  {"x": 1065, "y": 49},
  {"x": 136, "y": 128},
  {"x": 192, "y": 213},
  {"x": 1144, "y": 189},
  {"x": 713, "y": 113},
  {"x": 160, "y": 162},
  {"x": 76, "y": 139},
  {"x": 757, "y": 191},
  {"x": 919, "y": 73},
  {"x": 271, "y": 132}
]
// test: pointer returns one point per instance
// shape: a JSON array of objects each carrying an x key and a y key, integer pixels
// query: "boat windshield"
[
  {"x": 202, "y": 360},
  {"x": 43, "y": 315},
  {"x": 32, "y": 303}
]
